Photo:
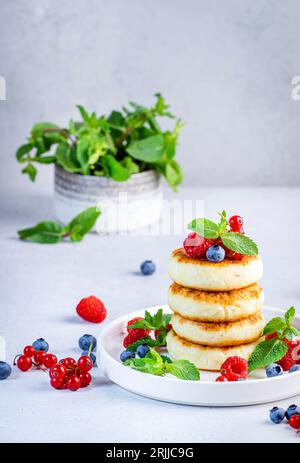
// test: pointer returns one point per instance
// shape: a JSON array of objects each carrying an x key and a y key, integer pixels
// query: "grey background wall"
[{"x": 226, "y": 67}]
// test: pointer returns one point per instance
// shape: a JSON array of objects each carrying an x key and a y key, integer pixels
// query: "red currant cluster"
[
  {"x": 72, "y": 375},
  {"x": 37, "y": 358},
  {"x": 233, "y": 369},
  {"x": 196, "y": 246}
]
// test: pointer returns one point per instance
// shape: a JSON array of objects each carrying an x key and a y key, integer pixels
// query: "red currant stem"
[{"x": 15, "y": 359}]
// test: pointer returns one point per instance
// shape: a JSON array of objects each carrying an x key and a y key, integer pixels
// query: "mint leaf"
[
  {"x": 146, "y": 365},
  {"x": 267, "y": 352},
  {"x": 276, "y": 325},
  {"x": 183, "y": 369},
  {"x": 44, "y": 232},
  {"x": 289, "y": 315},
  {"x": 82, "y": 224},
  {"x": 166, "y": 359},
  {"x": 116, "y": 170},
  {"x": 23, "y": 151},
  {"x": 239, "y": 243},
  {"x": 31, "y": 171},
  {"x": 223, "y": 222},
  {"x": 150, "y": 322},
  {"x": 65, "y": 159},
  {"x": 142, "y": 341},
  {"x": 149, "y": 149},
  {"x": 205, "y": 228}
]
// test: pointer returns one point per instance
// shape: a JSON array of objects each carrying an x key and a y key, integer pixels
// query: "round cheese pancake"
[
  {"x": 220, "y": 334},
  {"x": 210, "y": 276},
  {"x": 204, "y": 357},
  {"x": 211, "y": 306}
]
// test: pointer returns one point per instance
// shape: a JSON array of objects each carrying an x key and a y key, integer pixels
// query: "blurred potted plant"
[{"x": 115, "y": 162}]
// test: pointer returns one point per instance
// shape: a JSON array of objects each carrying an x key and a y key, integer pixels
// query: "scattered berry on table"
[
  {"x": 5, "y": 370},
  {"x": 29, "y": 351},
  {"x": 58, "y": 371},
  {"x": 85, "y": 342},
  {"x": 221, "y": 379},
  {"x": 50, "y": 360},
  {"x": 236, "y": 224},
  {"x": 274, "y": 370},
  {"x": 74, "y": 383},
  {"x": 215, "y": 253},
  {"x": 91, "y": 355},
  {"x": 126, "y": 355},
  {"x": 85, "y": 363},
  {"x": 234, "y": 368},
  {"x": 148, "y": 267},
  {"x": 67, "y": 362},
  {"x": 41, "y": 344},
  {"x": 39, "y": 357},
  {"x": 24, "y": 362},
  {"x": 85, "y": 378},
  {"x": 291, "y": 411},
  {"x": 277, "y": 415},
  {"x": 294, "y": 368},
  {"x": 142, "y": 350},
  {"x": 294, "y": 422},
  {"x": 196, "y": 246},
  {"x": 91, "y": 309},
  {"x": 57, "y": 383}
]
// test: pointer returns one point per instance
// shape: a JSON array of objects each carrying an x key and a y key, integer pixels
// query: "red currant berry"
[
  {"x": 236, "y": 223},
  {"x": 58, "y": 371},
  {"x": 196, "y": 246},
  {"x": 74, "y": 383},
  {"x": 24, "y": 363},
  {"x": 68, "y": 362},
  {"x": 39, "y": 357},
  {"x": 85, "y": 378},
  {"x": 221, "y": 379},
  {"x": 57, "y": 383},
  {"x": 29, "y": 351},
  {"x": 294, "y": 422},
  {"x": 50, "y": 360},
  {"x": 85, "y": 363}
]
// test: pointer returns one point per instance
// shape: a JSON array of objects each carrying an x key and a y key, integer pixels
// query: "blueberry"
[
  {"x": 41, "y": 344},
  {"x": 274, "y": 370},
  {"x": 292, "y": 410},
  {"x": 126, "y": 355},
  {"x": 277, "y": 415},
  {"x": 148, "y": 267},
  {"x": 294, "y": 368},
  {"x": 93, "y": 357},
  {"x": 5, "y": 370},
  {"x": 86, "y": 340},
  {"x": 142, "y": 350},
  {"x": 215, "y": 253}
]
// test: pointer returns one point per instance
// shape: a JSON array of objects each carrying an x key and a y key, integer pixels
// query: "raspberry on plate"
[
  {"x": 234, "y": 368},
  {"x": 137, "y": 333},
  {"x": 91, "y": 309},
  {"x": 196, "y": 246},
  {"x": 288, "y": 360}
]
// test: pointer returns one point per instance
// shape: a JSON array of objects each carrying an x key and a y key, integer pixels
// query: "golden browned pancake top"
[
  {"x": 224, "y": 298},
  {"x": 181, "y": 256}
]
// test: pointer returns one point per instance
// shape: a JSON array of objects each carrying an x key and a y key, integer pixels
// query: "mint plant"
[{"x": 124, "y": 143}]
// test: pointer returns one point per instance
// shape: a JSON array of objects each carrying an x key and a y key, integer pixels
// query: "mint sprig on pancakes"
[
  {"x": 232, "y": 240},
  {"x": 158, "y": 322},
  {"x": 274, "y": 349}
]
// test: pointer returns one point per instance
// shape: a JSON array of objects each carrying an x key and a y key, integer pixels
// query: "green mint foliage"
[
  {"x": 239, "y": 243},
  {"x": 267, "y": 352},
  {"x": 205, "y": 228},
  {"x": 49, "y": 232},
  {"x": 183, "y": 369},
  {"x": 282, "y": 325},
  {"x": 117, "y": 146},
  {"x": 155, "y": 364},
  {"x": 222, "y": 225},
  {"x": 147, "y": 340},
  {"x": 158, "y": 321}
]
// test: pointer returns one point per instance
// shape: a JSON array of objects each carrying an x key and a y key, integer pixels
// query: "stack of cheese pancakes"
[{"x": 217, "y": 309}]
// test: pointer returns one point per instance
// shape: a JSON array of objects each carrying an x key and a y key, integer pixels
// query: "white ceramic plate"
[{"x": 206, "y": 392}]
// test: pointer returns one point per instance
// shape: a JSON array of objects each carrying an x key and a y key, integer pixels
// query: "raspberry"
[
  {"x": 271, "y": 336},
  {"x": 91, "y": 309},
  {"x": 233, "y": 255},
  {"x": 288, "y": 360},
  {"x": 137, "y": 333},
  {"x": 196, "y": 246},
  {"x": 221, "y": 379},
  {"x": 234, "y": 368},
  {"x": 129, "y": 339}
]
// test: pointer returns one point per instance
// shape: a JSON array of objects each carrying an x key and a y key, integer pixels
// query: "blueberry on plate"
[
  {"x": 294, "y": 368},
  {"x": 91, "y": 355},
  {"x": 5, "y": 370},
  {"x": 148, "y": 267},
  {"x": 41, "y": 344},
  {"x": 142, "y": 350},
  {"x": 274, "y": 370},
  {"x": 126, "y": 355},
  {"x": 86, "y": 340},
  {"x": 291, "y": 411},
  {"x": 215, "y": 253},
  {"x": 277, "y": 415}
]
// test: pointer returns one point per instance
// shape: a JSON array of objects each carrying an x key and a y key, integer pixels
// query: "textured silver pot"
[{"x": 125, "y": 206}]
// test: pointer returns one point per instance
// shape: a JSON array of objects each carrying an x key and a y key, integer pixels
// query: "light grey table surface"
[{"x": 41, "y": 285}]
